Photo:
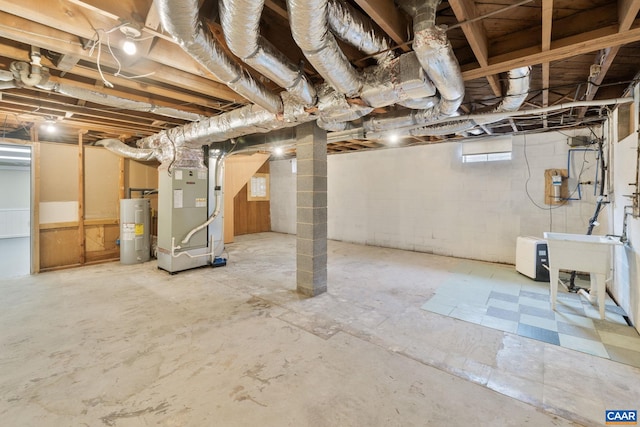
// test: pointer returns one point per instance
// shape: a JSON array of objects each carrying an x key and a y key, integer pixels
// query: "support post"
[
  {"x": 81, "y": 239},
  {"x": 35, "y": 201},
  {"x": 311, "y": 243}
]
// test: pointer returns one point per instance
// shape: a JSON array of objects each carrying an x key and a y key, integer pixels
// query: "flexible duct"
[
  {"x": 351, "y": 26},
  {"x": 516, "y": 93},
  {"x": 241, "y": 26},
  {"x": 308, "y": 20},
  {"x": 241, "y": 121},
  {"x": 6, "y": 76},
  {"x": 116, "y": 101},
  {"x": 436, "y": 56},
  {"x": 118, "y": 147},
  {"x": 180, "y": 19},
  {"x": 7, "y": 85}
]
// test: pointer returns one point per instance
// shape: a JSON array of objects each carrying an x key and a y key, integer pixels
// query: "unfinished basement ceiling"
[{"x": 578, "y": 50}]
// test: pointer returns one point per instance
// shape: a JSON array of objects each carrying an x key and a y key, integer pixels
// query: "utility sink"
[{"x": 580, "y": 252}]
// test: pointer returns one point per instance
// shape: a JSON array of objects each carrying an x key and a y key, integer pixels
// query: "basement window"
[{"x": 487, "y": 150}]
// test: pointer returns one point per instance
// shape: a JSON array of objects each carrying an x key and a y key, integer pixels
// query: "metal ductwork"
[
  {"x": 436, "y": 56},
  {"x": 118, "y": 147},
  {"x": 416, "y": 123},
  {"x": 6, "y": 76},
  {"x": 352, "y": 27},
  {"x": 242, "y": 121},
  {"x": 241, "y": 25},
  {"x": 309, "y": 27},
  {"x": 428, "y": 79},
  {"x": 180, "y": 19},
  {"x": 116, "y": 101}
]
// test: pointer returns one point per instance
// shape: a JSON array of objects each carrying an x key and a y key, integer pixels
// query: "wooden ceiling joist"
[{"x": 465, "y": 12}]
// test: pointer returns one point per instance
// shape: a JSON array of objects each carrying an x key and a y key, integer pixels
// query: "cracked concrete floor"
[{"x": 114, "y": 345}]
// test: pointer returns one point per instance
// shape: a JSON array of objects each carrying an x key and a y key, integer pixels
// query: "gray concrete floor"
[{"x": 114, "y": 345}]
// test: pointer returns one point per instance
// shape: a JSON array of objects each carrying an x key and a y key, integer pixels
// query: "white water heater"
[{"x": 135, "y": 231}]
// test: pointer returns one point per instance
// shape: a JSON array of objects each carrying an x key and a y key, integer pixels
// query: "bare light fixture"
[
  {"x": 132, "y": 34},
  {"x": 49, "y": 125},
  {"x": 278, "y": 151},
  {"x": 394, "y": 138}
]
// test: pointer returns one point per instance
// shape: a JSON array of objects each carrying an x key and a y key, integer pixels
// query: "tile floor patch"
[
  {"x": 503, "y": 296},
  {"x": 539, "y": 334},
  {"x": 503, "y": 314},
  {"x": 508, "y": 302}
]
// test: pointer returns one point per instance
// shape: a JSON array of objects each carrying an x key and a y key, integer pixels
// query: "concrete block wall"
[{"x": 425, "y": 199}]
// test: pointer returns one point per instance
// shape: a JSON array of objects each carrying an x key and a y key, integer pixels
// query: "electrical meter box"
[{"x": 182, "y": 206}]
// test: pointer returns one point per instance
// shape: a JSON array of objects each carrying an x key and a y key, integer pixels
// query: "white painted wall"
[
  {"x": 15, "y": 242},
  {"x": 283, "y": 196},
  {"x": 626, "y": 284},
  {"x": 425, "y": 199}
]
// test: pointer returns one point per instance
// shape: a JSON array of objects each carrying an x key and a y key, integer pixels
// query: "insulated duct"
[
  {"x": 241, "y": 26},
  {"x": 180, "y": 19},
  {"x": 436, "y": 56},
  {"x": 118, "y": 147},
  {"x": 308, "y": 19},
  {"x": 350, "y": 26},
  {"x": 241, "y": 121},
  {"x": 518, "y": 82},
  {"x": 6, "y": 76},
  {"x": 116, "y": 101}
]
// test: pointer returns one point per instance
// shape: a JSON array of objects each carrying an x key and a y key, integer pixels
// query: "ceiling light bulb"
[
  {"x": 51, "y": 128},
  {"x": 278, "y": 151},
  {"x": 393, "y": 138},
  {"x": 129, "y": 47}
]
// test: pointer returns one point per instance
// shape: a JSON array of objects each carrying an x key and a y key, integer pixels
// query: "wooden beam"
[
  {"x": 627, "y": 12},
  {"x": 388, "y": 17},
  {"x": 566, "y": 47},
  {"x": 31, "y": 33},
  {"x": 277, "y": 8},
  {"x": 476, "y": 36}
]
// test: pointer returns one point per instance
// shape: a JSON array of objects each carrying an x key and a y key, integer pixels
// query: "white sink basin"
[
  {"x": 579, "y": 251},
  {"x": 582, "y": 253}
]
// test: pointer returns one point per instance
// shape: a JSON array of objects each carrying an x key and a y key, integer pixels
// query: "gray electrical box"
[{"x": 182, "y": 206}]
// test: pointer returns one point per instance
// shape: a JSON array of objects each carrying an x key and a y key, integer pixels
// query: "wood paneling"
[
  {"x": 59, "y": 247},
  {"x": 238, "y": 170},
  {"x": 251, "y": 216}
]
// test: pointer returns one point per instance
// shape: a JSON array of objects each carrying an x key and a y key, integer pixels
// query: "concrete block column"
[{"x": 311, "y": 244}]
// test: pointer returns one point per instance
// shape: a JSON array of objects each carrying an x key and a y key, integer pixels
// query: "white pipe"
[
  {"x": 216, "y": 211},
  {"x": 373, "y": 130}
]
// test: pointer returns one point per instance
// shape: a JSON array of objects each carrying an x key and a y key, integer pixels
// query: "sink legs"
[{"x": 597, "y": 289}]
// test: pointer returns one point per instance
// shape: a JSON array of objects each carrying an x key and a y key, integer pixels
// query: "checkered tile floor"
[{"x": 498, "y": 297}]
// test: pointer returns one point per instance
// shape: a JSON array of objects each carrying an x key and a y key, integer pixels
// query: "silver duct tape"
[
  {"x": 180, "y": 19},
  {"x": 309, "y": 26},
  {"x": 354, "y": 28},
  {"x": 241, "y": 25},
  {"x": 123, "y": 103},
  {"x": 118, "y": 147}
]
